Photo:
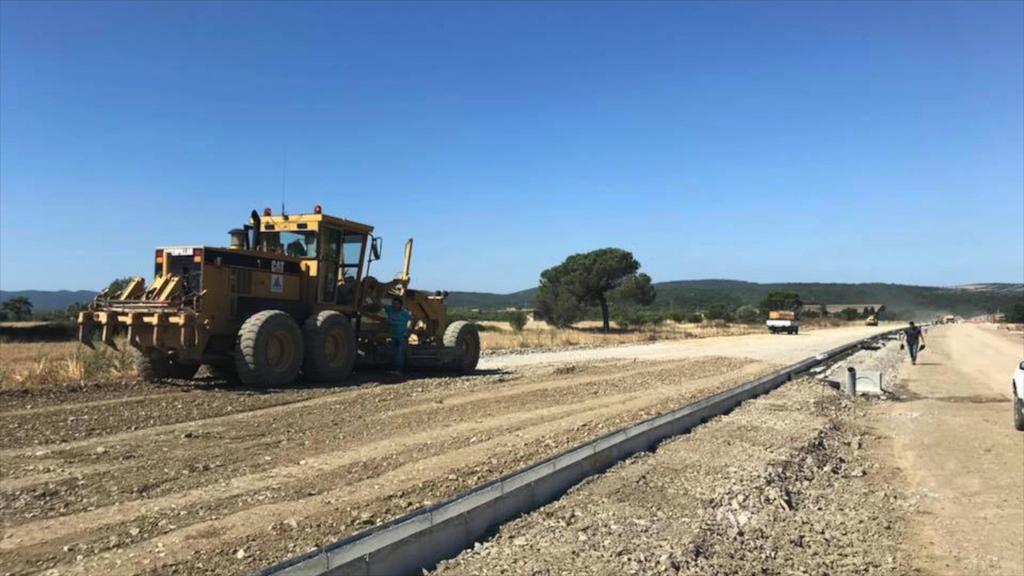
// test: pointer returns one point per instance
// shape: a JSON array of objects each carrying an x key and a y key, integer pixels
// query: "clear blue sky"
[{"x": 860, "y": 141}]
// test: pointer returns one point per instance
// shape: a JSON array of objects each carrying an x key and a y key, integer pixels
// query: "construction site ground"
[
  {"x": 805, "y": 481},
  {"x": 951, "y": 434},
  {"x": 206, "y": 478}
]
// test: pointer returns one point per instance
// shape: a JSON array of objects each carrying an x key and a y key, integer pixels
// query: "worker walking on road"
[
  {"x": 914, "y": 339},
  {"x": 399, "y": 320}
]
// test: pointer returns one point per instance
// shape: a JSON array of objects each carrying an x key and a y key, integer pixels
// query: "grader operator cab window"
[
  {"x": 341, "y": 262},
  {"x": 351, "y": 262},
  {"x": 352, "y": 255},
  {"x": 296, "y": 244},
  {"x": 330, "y": 255}
]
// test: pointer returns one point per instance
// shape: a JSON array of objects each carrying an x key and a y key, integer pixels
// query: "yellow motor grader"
[{"x": 290, "y": 294}]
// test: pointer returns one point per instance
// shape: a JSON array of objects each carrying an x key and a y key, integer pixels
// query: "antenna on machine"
[{"x": 284, "y": 175}]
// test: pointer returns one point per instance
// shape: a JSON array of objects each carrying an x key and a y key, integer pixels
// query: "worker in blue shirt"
[{"x": 399, "y": 321}]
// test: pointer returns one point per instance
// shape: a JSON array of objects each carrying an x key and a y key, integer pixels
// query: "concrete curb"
[{"x": 421, "y": 539}]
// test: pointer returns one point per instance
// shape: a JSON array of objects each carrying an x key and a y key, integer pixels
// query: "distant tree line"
[
  {"x": 16, "y": 309},
  {"x": 607, "y": 284},
  {"x": 20, "y": 308}
]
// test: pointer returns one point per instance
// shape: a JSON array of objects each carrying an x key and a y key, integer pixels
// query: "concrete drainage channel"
[{"x": 420, "y": 540}]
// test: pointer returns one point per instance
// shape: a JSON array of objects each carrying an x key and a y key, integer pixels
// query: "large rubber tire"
[
  {"x": 268, "y": 350},
  {"x": 1018, "y": 411},
  {"x": 464, "y": 337},
  {"x": 330, "y": 345},
  {"x": 153, "y": 366}
]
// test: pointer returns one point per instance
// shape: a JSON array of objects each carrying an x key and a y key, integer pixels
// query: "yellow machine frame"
[{"x": 168, "y": 317}]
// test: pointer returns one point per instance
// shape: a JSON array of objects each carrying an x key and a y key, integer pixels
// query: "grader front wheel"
[
  {"x": 464, "y": 338},
  {"x": 330, "y": 345},
  {"x": 268, "y": 349}
]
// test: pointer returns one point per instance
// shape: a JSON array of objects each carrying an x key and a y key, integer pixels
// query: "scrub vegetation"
[{"x": 25, "y": 364}]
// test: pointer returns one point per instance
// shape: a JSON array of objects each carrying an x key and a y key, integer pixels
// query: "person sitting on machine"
[{"x": 297, "y": 248}]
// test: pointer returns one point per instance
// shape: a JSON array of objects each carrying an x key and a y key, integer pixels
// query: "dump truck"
[
  {"x": 290, "y": 297},
  {"x": 780, "y": 321}
]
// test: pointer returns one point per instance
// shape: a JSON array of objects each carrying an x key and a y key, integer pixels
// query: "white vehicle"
[
  {"x": 783, "y": 321},
  {"x": 1018, "y": 398}
]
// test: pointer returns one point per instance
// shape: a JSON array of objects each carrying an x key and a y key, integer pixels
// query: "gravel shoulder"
[
  {"x": 782, "y": 485},
  {"x": 780, "y": 349}
]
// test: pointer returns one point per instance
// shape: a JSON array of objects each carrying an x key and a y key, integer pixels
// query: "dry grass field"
[
  {"x": 1012, "y": 328},
  {"x": 34, "y": 363},
  {"x": 538, "y": 335},
  {"x": 44, "y": 363}
]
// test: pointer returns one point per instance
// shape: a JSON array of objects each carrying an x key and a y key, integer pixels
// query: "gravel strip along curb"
[
  {"x": 785, "y": 485},
  {"x": 420, "y": 540}
]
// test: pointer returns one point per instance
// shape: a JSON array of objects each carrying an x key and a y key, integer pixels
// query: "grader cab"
[{"x": 291, "y": 294}]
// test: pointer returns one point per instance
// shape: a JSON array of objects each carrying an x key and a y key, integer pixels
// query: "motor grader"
[{"x": 290, "y": 295}]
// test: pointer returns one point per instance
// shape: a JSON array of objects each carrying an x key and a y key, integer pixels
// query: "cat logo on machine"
[
  {"x": 277, "y": 266},
  {"x": 276, "y": 283}
]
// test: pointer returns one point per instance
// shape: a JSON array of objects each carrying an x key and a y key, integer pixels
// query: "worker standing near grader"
[
  {"x": 398, "y": 322},
  {"x": 291, "y": 294}
]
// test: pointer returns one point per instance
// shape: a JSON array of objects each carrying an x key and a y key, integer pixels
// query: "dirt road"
[
  {"x": 187, "y": 479},
  {"x": 953, "y": 436},
  {"x": 780, "y": 349}
]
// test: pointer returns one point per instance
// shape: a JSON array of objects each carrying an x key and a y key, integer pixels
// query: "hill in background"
[
  {"x": 902, "y": 300},
  {"x": 47, "y": 300}
]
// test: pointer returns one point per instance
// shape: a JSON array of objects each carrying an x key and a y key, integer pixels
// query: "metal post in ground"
[{"x": 851, "y": 381}]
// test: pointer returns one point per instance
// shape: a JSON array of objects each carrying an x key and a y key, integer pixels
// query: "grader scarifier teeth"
[
  {"x": 133, "y": 307},
  {"x": 108, "y": 334},
  {"x": 85, "y": 328},
  {"x": 87, "y": 322}
]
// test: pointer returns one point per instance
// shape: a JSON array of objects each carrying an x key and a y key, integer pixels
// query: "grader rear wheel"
[
  {"x": 330, "y": 345},
  {"x": 268, "y": 349},
  {"x": 464, "y": 338}
]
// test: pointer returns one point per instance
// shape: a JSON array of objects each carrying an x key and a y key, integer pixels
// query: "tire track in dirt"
[
  {"x": 78, "y": 406},
  {"x": 233, "y": 531},
  {"x": 284, "y": 462},
  {"x": 288, "y": 401},
  {"x": 407, "y": 406},
  {"x": 31, "y": 533},
  {"x": 52, "y": 429}
]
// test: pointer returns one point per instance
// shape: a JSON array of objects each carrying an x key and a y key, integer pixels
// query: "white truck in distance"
[{"x": 783, "y": 321}]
